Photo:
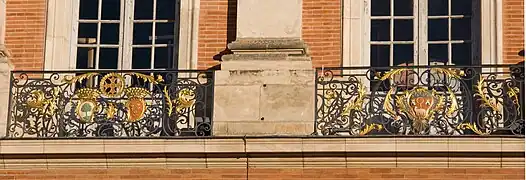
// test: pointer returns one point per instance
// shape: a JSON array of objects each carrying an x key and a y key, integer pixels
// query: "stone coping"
[{"x": 263, "y": 145}]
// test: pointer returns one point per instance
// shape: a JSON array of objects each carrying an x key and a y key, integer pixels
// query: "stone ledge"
[{"x": 263, "y": 144}]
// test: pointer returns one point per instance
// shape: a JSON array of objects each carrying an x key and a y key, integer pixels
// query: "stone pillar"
[
  {"x": 2, "y": 20},
  {"x": 266, "y": 87},
  {"x": 5, "y": 71}
]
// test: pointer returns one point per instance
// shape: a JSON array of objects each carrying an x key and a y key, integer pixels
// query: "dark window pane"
[
  {"x": 380, "y": 30},
  {"x": 108, "y": 58},
  {"x": 164, "y": 32},
  {"x": 403, "y": 53},
  {"x": 89, "y": 9},
  {"x": 403, "y": 30},
  {"x": 461, "y": 54},
  {"x": 380, "y": 55},
  {"x": 86, "y": 57},
  {"x": 142, "y": 33},
  {"x": 109, "y": 34},
  {"x": 163, "y": 57},
  {"x": 438, "y": 30},
  {"x": 141, "y": 58},
  {"x": 111, "y": 9},
  {"x": 380, "y": 7},
  {"x": 87, "y": 30},
  {"x": 438, "y": 53},
  {"x": 403, "y": 8},
  {"x": 438, "y": 7},
  {"x": 166, "y": 9},
  {"x": 143, "y": 9},
  {"x": 461, "y": 7},
  {"x": 461, "y": 29}
]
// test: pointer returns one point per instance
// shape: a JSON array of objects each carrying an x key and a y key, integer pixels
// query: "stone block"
[
  {"x": 512, "y": 162},
  {"x": 370, "y": 145},
  {"x": 92, "y": 161},
  {"x": 73, "y": 146},
  {"x": 274, "y": 145},
  {"x": 474, "y": 162},
  {"x": 22, "y": 147},
  {"x": 134, "y": 146},
  {"x": 269, "y": 128},
  {"x": 374, "y": 162},
  {"x": 226, "y": 162},
  {"x": 260, "y": 77},
  {"x": 236, "y": 103},
  {"x": 287, "y": 103},
  {"x": 474, "y": 145},
  {"x": 254, "y": 19},
  {"x": 224, "y": 146},
  {"x": 184, "y": 146},
  {"x": 422, "y": 162},
  {"x": 185, "y": 163},
  {"x": 288, "y": 162},
  {"x": 324, "y": 145},
  {"x": 512, "y": 144},
  {"x": 25, "y": 162},
  {"x": 421, "y": 144},
  {"x": 325, "y": 162},
  {"x": 255, "y": 64}
]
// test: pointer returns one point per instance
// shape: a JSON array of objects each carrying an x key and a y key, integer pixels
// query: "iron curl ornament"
[
  {"x": 418, "y": 100},
  {"x": 91, "y": 104}
]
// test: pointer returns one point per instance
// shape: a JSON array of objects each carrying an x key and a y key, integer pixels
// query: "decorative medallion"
[
  {"x": 136, "y": 106},
  {"x": 112, "y": 85},
  {"x": 88, "y": 106},
  {"x": 420, "y": 104}
]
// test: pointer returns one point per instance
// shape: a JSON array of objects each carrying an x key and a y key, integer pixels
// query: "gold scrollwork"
[
  {"x": 136, "y": 106},
  {"x": 513, "y": 92},
  {"x": 149, "y": 78},
  {"x": 369, "y": 127},
  {"x": 38, "y": 100},
  {"x": 490, "y": 102},
  {"x": 358, "y": 101},
  {"x": 186, "y": 98},
  {"x": 79, "y": 78},
  {"x": 112, "y": 85},
  {"x": 472, "y": 127}
]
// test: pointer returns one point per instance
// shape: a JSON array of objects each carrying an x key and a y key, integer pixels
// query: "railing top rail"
[
  {"x": 420, "y": 66},
  {"x": 112, "y": 70}
]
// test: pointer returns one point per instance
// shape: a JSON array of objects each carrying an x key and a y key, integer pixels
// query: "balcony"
[
  {"x": 91, "y": 104},
  {"x": 420, "y": 101}
]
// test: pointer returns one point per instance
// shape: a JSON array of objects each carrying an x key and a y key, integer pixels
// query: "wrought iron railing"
[
  {"x": 138, "y": 103},
  {"x": 420, "y": 100}
]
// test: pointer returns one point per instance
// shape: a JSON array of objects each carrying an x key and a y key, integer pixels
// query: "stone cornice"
[
  {"x": 4, "y": 52},
  {"x": 264, "y": 152}
]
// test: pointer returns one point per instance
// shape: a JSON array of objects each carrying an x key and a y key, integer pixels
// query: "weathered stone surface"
[
  {"x": 236, "y": 103},
  {"x": 254, "y": 19},
  {"x": 5, "y": 71},
  {"x": 287, "y": 103},
  {"x": 264, "y": 77}
]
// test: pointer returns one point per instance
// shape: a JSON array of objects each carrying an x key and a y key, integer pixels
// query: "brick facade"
[
  {"x": 269, "y": 174},
  {"x": 25, "y": 32},
  {"x": 513, "y": 30},
  {"x": 217, "y": 27}
]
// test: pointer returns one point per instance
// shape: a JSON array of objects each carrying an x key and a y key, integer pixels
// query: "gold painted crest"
[
  {"x": 136, "y": 106},
  {"x": 88, "y": 106},
  {"x": 112, "y": 85}
]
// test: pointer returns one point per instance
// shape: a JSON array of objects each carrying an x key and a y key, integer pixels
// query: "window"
[
  {"x": 404, "y": 31},
  {"x": 421, "y": 32},
  {"x": 108, "y": 34},
  {"x": 121, "y": 34}
]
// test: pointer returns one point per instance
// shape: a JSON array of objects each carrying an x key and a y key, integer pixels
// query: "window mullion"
[
  {"x": 422, "y": 45},
  {"x": 127, "y": 35}
]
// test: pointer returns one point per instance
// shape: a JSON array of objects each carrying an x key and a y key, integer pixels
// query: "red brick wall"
[
  {"x": 321, "y": 30},
  {"x": 513, "y": 30},
  {"x": 270, "y": 174},
  {"x": 25, "y": 31}
]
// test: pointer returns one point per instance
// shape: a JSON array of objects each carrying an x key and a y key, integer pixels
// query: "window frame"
[
  {"x": 357, "y": 28},
  {"x": 62, "y": 31}
]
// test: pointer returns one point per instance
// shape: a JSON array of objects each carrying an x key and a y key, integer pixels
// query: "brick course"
[
  {"x": 25, "y": 31},
  {"x": 269, "y": 174},
  {"x": 513, "y": 30}
]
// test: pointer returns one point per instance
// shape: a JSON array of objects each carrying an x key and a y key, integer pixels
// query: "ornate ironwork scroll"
[
  {"x": 425, "y": 100},
  {"x": 110, "y": 104}
]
